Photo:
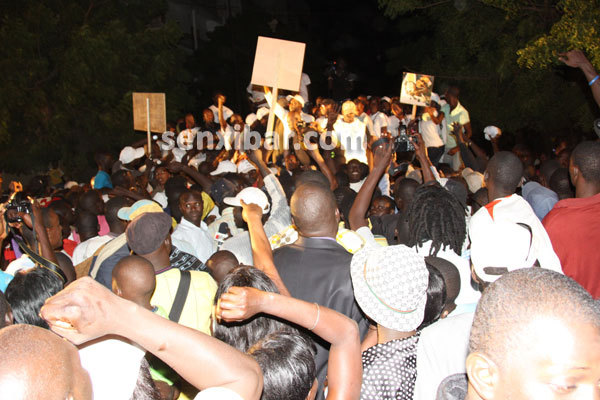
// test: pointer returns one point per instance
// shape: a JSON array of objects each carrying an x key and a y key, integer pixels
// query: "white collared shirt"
[{"x": 196, "y": 238}]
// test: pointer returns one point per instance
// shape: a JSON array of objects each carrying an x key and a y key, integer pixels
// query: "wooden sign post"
[
  {"x": 277, "y": 64},
  {"x": 149, "y": 114}
]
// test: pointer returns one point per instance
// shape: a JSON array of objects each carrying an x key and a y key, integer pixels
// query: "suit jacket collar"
[{"x": 318, "y": 243}]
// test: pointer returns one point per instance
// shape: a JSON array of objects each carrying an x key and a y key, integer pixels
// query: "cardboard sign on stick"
[
  {"x": 416, "y": 89},
  {"x": 278, "y": 63},
  {"x": 149, "y": 107}
]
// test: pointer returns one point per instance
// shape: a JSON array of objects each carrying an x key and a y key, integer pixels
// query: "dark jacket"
[{"x": 318, "y": 271}]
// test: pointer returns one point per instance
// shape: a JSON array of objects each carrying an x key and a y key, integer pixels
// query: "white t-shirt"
[
  {"x": 227, "y": 113},
  {"x": 380, "y": 120},
  {"x": 430, "y": 131},
  {"x": 196, "y": 238},
  {"x": 352, "y": 138},
  {"x": 364, "y": 117},
  {"x": 393, "y": 125},
  {"x": 85, "y": 250},
  {"x": 467, "y": 294},
  {"x": 161, "y": 198},
  {"x": 442, "y": 351}
]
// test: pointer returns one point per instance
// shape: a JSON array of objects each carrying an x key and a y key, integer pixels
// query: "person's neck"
[
  {"x": 385, "y": 335},
  {"x": 86, "y": 236},
  {"x": 160, "y": 260},
  {"x": 195, "y": 223},
  {"x": 320, "y": 234},
  {"x": 586, "y": 189},
  {"x": 116, "y": 229},
  {"x": 495, "y": 194}
]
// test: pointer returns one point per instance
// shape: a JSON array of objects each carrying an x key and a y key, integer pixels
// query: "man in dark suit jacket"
[{"x": 316, "y": 268}]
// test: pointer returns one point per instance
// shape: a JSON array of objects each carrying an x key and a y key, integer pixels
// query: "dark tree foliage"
[
  {"x": 68, "y": 69},
  {"x": 503, "y": 55}
]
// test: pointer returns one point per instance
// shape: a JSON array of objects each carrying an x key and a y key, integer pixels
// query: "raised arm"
[
  {"x": 576, "y": 59},
  {"x": 344, "y": 366},
  {"x": 85, "y": 310},
  {"x": 203, "y": 180},
  {"x": 421, "y": 153},
  {"x": 261, "y": 248},
  {"x": 316, "y": 155},
  {"x": 381, "y": 161},
  {"x": 220, "y": 102},
  {"x": 37, "y": 225}
]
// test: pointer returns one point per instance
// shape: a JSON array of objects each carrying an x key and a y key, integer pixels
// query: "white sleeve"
[{"x": 365, "y": 233}]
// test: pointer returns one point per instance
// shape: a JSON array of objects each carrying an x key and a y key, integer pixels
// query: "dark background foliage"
[{"x": 68, "y": 67}]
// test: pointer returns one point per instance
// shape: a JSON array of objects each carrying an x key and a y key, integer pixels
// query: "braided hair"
[{"x": 436, "y": 214}]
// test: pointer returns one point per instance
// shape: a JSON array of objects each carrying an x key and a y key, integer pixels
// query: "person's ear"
[
  {"x": 486, "y": 177},
  {"x": 8, "y": 318},
  {"x": 574, "y": 174},
  {"x": 337, "y": 215},
  {"x": 483, "y": 375},
  {"x": 115, "y": 288}
]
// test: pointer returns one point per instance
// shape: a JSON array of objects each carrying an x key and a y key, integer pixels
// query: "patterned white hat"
[{"x": 390, "y": 285}]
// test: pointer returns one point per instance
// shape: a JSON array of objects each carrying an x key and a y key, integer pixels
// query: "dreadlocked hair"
[{"x": 436, "y": 214}]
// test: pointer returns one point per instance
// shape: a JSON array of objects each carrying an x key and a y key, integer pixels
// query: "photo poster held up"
[{"x": 416, "y": 90}]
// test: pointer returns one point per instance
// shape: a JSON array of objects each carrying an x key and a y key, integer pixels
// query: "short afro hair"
[
  {"x": 505, "y": 170},
  {"x": 508, "y": 305},
  {"x": 586, "y": 157}
]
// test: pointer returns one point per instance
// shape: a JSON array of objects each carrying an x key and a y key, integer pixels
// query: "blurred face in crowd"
[
  {"x": 208, "y": 116},
  {"x": 452, "y": 100},
  {"x": 385, "y": 107},
  {"x": 295, "y": 105},
  {"x": 349, "y": 116},
  {"x": 189, "y": 121},
  {"x": 557, "y": 360},
  {"x": 354, "y": 171},
  {"x": 380, "y": 207},
  {"x": 360, "y": 107},
  {"x": 162, "y": 175},
  {"x": 374, "y": 105},
  {"x": 291, "y": 162},
  {"x": 191, "y": 206},
  {"x": 238, "y": 122}
]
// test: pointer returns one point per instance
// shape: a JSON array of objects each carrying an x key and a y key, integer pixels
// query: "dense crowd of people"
[{"x": 360, "y": 250}]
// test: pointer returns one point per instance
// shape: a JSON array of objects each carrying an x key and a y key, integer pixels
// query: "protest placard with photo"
[{"x": 416, "y": 89}]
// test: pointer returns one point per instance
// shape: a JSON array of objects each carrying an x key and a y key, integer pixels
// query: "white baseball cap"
[
  {"x": 261, "y": 112},
  {"x": 129, "y": 154},
  {"x": 224, "y": 167},
  {"x": 250, "y": 195},
  {"x": 498, "y": 247},
  {"x": 244, "y": 167},
  {"x": 296, "y": 97}
]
